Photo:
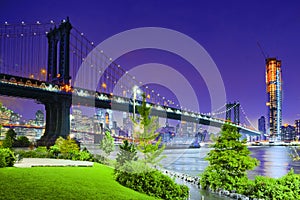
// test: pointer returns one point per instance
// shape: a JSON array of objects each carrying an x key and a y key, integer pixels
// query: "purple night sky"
[{"x": 228, "y": 30}]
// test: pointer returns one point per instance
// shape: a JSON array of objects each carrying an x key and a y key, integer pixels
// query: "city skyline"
[{"x": 228, "y": 31}]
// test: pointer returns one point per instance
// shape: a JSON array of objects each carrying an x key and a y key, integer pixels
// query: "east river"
[{"x": 275, "y": 161}]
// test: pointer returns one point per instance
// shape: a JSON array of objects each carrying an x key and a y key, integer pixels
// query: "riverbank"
[{"x": 266, "y": 143}]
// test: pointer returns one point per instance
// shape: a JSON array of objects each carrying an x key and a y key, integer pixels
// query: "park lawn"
[{"x": 64, "y": 183}]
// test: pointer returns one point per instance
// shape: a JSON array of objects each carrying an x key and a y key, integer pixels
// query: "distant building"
[
  {"x": 15, "y": 118},
  {"x": 262, "y": 127},
  {"x": 297, "y": 129},
  {"x": 274, "y": 99},
  {"x": 39, "y": 118},
  {"x": 287, "y": 132}
]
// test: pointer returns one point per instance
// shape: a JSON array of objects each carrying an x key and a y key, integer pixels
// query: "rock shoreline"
[{"x": 195, "y": 181}]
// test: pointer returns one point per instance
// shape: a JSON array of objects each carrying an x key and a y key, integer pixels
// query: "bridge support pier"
[{"x": 57, "y": 120}]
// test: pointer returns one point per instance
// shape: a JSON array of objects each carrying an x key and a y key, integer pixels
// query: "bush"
[
  {"x": 66, "y": 146},
  {"x": 39, "y": 152},
  {"x": 22, "y": 141},
  {"x": 7, "y": 158},
  {"x": 86, "y": 156},
  {"x": 53, "y": 152},
  {"x": 286, "y": 187},
  {"x": 153, "y": 183}
]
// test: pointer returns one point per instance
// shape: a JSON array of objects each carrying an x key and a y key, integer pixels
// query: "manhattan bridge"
[{"x": 57, "y": 66}]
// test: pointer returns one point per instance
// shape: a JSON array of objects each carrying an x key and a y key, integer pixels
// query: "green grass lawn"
[{"x": 63, "y": 183}]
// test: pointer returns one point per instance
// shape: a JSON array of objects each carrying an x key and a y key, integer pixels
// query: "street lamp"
[
  {"x": 136, "y": 91},
  {"x": 43, "y": 72}
]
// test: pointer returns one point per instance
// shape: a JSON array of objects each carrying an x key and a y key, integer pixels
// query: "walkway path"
[{"x": 48, "y": 162}]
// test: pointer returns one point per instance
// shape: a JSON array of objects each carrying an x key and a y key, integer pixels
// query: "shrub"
[
  {"x": 86, "y": 156},
  {"x": 39, "y": 152},
  {"x": 22, "y": 141},
  {"x": 54, "y": 150},
  {"x": 66, "y": 145},
  {"x": 7, "y": 157},
  {"x": 153, "y": 183},
  {"x": 286, "y": 187}
]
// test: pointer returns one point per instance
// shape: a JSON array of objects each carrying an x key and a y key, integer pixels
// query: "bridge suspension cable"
[
  {"x": 23, "y": 49},
  {"x": 114, "y": 71},
  {"x": 247, "y": 119},
  {"x": 23, "y": 52}
]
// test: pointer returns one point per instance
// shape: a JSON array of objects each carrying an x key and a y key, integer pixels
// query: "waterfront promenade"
[{"x": 49, "y": 162}]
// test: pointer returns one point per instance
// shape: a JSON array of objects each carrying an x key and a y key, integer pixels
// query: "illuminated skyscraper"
[{"x": 274, "y": 93}]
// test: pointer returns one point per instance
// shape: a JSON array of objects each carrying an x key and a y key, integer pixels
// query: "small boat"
[{"x": 195, "y": 144}]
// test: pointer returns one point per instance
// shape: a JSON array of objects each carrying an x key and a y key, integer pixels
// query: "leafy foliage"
[
  {"x": 107, "y": 143},
  {"x": 154, "y": 183},
  {"x": 22, "y": 141},
  {"x": 66, "y": 146},
  {"x": 63, "y": 149},
  {"x": 39, "y": 152},
  {"x": 228, "y": 161},
  {"x": 7, "y": 157},
  {"x": 286, "y": 187},
  {"x": 139, "y": 174},
  {"x": 10, "y": 138},
  {"x": 127, "y": 153},
  {"x": 146, "y": 134}
]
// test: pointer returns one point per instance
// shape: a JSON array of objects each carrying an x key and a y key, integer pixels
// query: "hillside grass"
[{"x": 95, "y": 182}]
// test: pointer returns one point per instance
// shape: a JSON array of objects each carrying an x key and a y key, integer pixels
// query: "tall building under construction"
[{"x": 274, "y": 99}]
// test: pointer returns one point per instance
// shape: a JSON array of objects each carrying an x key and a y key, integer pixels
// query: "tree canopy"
[{"x": 229, "y": 161}]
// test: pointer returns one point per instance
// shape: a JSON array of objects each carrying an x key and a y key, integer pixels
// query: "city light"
[{"x": 103, "y": 85}]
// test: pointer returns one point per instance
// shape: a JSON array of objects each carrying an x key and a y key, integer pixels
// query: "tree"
[
  {"x": 10, "y": 138},
  {"x": 146, "y": 134},
  {"x": 107, "y": 143},
  {"x": 127, "y": 153},
  {"x": 228, "y": 161}
]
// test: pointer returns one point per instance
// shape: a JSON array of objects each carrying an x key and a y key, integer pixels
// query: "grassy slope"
[{"x": 63, "y": 183}]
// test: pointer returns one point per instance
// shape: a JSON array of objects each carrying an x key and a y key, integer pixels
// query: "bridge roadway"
[{"x": 63, "y": 96}]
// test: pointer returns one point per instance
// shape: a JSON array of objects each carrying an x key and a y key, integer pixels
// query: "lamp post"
[
  {"x": 44, "y": 73},
  {"x": 135, "y": 91}
]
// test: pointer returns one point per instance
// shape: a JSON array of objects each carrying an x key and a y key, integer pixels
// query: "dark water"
[{"x": 275, "y": 161}]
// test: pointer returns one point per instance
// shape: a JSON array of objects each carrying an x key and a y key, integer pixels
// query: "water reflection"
[{"x": 275, "y": 161}]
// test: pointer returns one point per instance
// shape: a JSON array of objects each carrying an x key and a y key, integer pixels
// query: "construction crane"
[{"x": 262, "y": 51}]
